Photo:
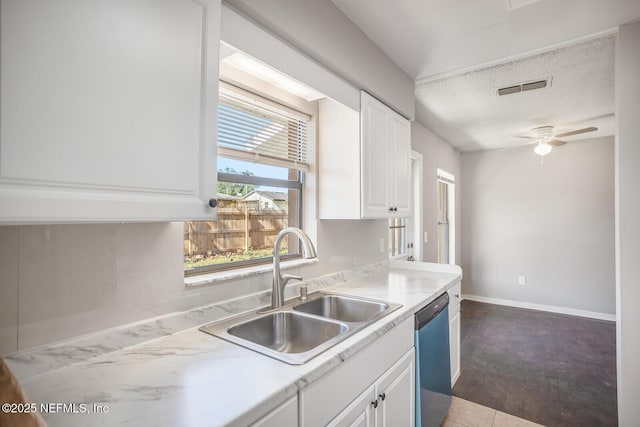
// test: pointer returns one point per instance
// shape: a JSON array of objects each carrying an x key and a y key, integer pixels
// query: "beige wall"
[
  {"x": 437, "y": 154},
  {"x": 551, "y": 222},
  {"x": 627, "y": 222}
]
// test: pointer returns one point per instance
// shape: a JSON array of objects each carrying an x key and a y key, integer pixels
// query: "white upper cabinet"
[
  {"x": 400, "y": 159},
  {"x": 386, "y": 160},
  {"x": 108, "y": 110},
  {"x": 364, "y": 161}
]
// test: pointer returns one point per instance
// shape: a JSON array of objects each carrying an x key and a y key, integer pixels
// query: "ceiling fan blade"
[
  {"x": 577, "y": 132},
  {"x": 556, "y": 142},
  {"x": 527, "y": 137}
]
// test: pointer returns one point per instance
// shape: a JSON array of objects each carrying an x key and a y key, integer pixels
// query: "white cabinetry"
[
  {"x": 454, "y": 331},
  {"x": 386, "y": 402},
  {"x": 108, "y": 110},
  {"x": 360, "y": 413},
  {"x": 395, "y": 392},
  {"x": 284, "y": 415},
  {"x": 364, "y": 161},
  {"x": 374, "y": 387},
  {"x": 386, "y": 160}
]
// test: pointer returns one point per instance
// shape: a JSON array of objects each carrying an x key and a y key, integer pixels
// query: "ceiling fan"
[{"x": 545, "y": 138}]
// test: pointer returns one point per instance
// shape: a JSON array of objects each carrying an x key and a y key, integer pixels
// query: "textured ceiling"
[
  {"x": 459, "y": 52},
  {"x": 466, "y": 111},
  {"x": 429, "y": 37}
]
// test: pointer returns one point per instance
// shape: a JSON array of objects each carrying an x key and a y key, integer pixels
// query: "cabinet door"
[
  {"x": 395, "y": 392},
  {"x": 400, "y": 157},
  {"x": 108, "y": 110},
  {"x": 284, "y": 415},
  {"x": 454, "y": 342},
  {"x": 360, "y": 413},
  {"x": 374, "y": 129}
]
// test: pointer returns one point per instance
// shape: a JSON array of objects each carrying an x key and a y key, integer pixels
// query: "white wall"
[
  {"x": 320, "y": 30},
  {"x": 627, "y": 222},
  {"x": 551, "y": 222},
  {"x": 61, "y": 281},
  {"x": 437, "y": 154}
]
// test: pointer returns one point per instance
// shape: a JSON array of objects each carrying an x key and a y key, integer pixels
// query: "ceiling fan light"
[{"x": 542, "y": 149}]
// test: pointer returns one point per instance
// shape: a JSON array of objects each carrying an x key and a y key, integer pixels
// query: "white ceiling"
[
  {"x": 459, "y": 52},
  {"x": 466, "y": 110}
]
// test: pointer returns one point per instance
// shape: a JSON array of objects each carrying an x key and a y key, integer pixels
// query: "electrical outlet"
[
  {"x": 522, "y": 280},
  {"x": 382, "y": 248}
]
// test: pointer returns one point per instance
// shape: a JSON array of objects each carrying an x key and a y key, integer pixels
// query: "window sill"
[{"x": 220, "y": 276}]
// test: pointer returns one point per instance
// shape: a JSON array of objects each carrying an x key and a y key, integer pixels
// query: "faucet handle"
[{"x": 287, "y": 277}]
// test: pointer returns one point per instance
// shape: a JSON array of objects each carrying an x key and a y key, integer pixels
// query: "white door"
[
  {"x": 108, "y": 110},
  {"x": 360, "y": 413},
  {"x": 395, "y": 393},
  {"x": 375, "y": 164},
  {"x": 400, "y": 156}
]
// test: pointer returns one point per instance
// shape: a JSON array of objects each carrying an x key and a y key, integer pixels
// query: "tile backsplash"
[
  {"x": 62, "y": 281},
  {"x": 67, "y": 280}
]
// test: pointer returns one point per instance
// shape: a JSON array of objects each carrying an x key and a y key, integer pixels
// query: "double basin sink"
[{"x": 301, "y": 330}]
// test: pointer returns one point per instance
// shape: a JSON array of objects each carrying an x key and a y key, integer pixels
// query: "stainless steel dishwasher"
[{"x": 433, "y": 366}]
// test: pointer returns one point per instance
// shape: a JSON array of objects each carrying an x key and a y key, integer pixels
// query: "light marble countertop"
[{"x": 188, "y": 378}]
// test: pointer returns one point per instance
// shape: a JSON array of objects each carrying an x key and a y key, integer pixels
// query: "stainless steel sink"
[
  {"x": 300, "y": 330},
  {"x": 288, "y": 332},
  {"x": 343, "y": 308}
]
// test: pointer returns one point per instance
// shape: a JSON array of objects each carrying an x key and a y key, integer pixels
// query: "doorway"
[
  {"x": 405, "y": 234},
  {"x": 446, "y": 217},
  {"x": 414, "y": 226}
]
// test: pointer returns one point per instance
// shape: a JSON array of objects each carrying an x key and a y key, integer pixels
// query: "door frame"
[
  {"x": 450, "y": 180},
  {"x": 417, "y": 208}
]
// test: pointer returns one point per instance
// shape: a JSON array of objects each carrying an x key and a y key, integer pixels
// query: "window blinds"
[{"x": 255, "y": 129}]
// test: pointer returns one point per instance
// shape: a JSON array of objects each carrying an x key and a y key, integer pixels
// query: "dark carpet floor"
[{"x": 548, "y": 368}]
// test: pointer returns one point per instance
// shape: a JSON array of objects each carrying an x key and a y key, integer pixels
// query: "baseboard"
[{"x": 542, "y": 307}]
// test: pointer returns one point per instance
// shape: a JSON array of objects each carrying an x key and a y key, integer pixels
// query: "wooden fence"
[{"x": 235, "y": 229}]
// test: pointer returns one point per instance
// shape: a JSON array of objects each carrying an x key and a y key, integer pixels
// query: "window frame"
[
  {"x": 302, "y": 116},
  {"x": 255, "y": 180}
]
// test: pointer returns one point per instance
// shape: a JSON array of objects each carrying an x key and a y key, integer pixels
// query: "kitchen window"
[{"x": 262, "y": 158}]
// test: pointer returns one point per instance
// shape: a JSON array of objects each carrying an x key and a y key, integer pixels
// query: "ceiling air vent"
[
  {"x": 524, "y": 86},
  {"x": 534, "y": 85},
  {"x": 509, "y": 90}
]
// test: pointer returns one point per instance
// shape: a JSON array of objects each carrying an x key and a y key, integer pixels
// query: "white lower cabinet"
[
  {"x": 284, "y": 415},
  {"x": 395, "y": 392},
  {"x": 375, "y": 387},
  {"x": 388, "y": 402},
  {"x": 360, "y": 413},
  {"x": 454, "y": 331}
]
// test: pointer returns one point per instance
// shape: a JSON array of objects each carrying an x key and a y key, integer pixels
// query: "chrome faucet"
[{"x": 280, "y": 280}]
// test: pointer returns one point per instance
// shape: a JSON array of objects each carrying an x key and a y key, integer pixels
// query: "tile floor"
[{"x": 463, "y": 413}]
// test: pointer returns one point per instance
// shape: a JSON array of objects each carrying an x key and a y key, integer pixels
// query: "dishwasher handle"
[{"x": 425, "y": 314}]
